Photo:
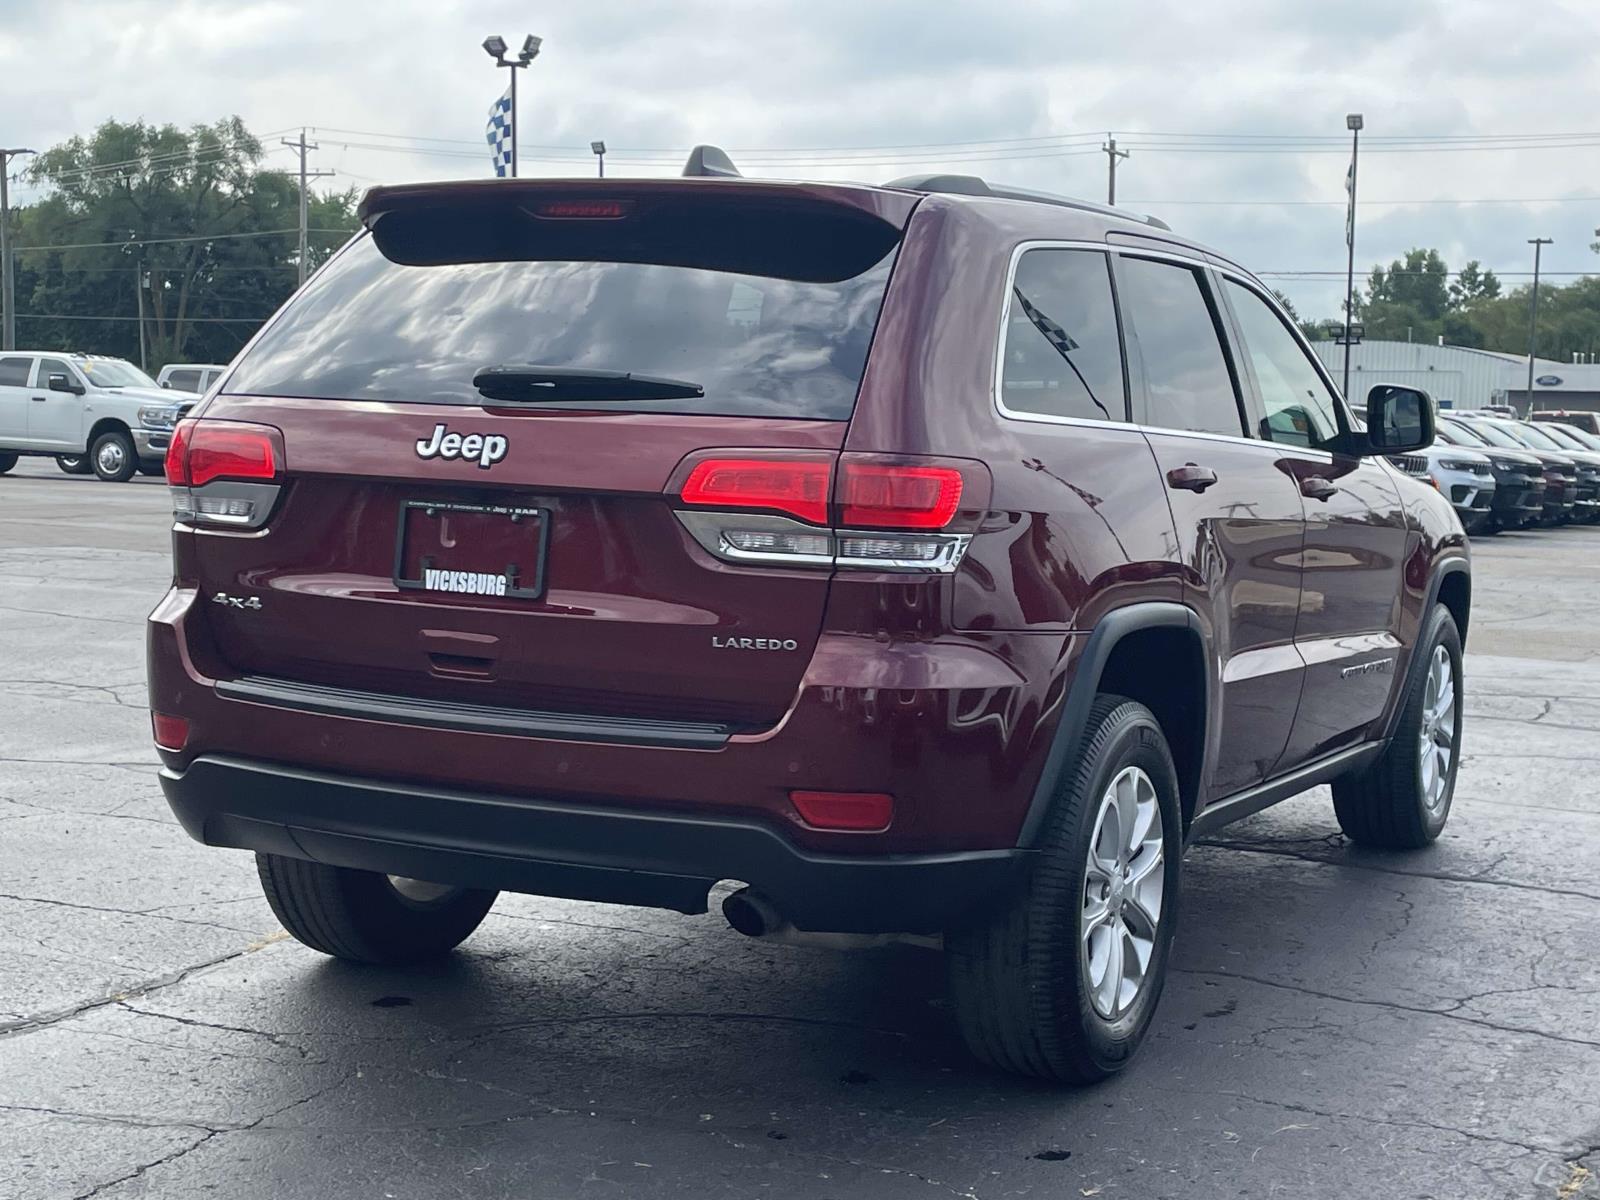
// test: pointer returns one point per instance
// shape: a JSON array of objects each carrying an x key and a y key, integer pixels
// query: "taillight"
[
  {"x": 797, "y": 486},
  {"x": 877, "y": 512},
  {"x": 224, "y": 472},
  {"x": 857, "y": 812},
  {"x": 886, "y": 496}
]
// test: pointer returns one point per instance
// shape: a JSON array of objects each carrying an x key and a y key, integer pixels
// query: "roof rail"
[
  {"x": 971, "y": 185},
  {"x": 710, "y": 162}
]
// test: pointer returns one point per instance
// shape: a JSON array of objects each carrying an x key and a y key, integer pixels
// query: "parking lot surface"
[{"x": 1340, "y": 1022}]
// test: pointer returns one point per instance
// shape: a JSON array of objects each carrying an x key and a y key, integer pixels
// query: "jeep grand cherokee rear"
[{"x": 612, "y": 539}]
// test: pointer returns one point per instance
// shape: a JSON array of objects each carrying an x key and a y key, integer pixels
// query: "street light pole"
[
  {"x": 1353, "y": 123},
  {"x": 8, "y": 298},
  {"x": 599, "y": 149},
  {"x": 495, "y": 47},
  {"x": 1538, "y": 244}
]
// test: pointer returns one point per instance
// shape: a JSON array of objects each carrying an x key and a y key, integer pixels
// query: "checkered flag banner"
[{"x": 500, "y": 133}]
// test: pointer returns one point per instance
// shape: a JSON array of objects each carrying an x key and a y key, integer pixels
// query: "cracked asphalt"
[{"x": 1340, "y": 1022}]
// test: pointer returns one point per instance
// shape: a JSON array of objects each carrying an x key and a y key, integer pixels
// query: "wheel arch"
[
  {"x": 107, "y": 425},
  {"x": 1150, "y": 652},
  {"x": 1450, "y": 585}
]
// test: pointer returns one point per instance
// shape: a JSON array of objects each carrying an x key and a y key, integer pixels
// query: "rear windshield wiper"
[{"x": 532, "y": 383}]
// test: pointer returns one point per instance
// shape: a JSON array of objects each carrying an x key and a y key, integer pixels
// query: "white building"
[{"x": 1460, "y": 377}]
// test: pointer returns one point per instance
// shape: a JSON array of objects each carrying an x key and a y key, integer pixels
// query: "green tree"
[
  {"x": 186, "y": 216},
  {"x": 1409, "y": 299},
  {"x": 1472, "y": 284}
]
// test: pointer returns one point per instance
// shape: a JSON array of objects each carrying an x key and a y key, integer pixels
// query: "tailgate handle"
[{"x": 468, "y": 666}]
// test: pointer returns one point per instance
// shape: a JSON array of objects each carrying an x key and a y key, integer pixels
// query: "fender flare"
[
  {"x": 1103, "y": 639},
  {"x": 1452, "y": 564}
]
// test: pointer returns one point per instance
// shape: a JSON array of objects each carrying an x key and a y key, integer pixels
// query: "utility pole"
[
  {"x": 1112, "y": 154},
  {"x": 303, "y": 147},
  {"x": 1353, "y": 123},
  {"x": 141, "y": 280},
  {"x": 8, "y": 298},
  {"x": 1538, "y": 244}
]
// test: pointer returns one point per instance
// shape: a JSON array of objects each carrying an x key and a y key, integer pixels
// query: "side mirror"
[
  {"x": 60, "y": 383},
  {"x": 1399, "y": 419},
  {"x": 166, "y": 383}
]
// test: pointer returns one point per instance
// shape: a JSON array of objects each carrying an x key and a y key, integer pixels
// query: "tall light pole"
[
  {"x": 599, "y": 149},
  {"x": 8, "y": 299},
  {"x": 496, "y": 48},
  {"x": 1353, "y": 123},
  {"x": 1538, "y": 244}
]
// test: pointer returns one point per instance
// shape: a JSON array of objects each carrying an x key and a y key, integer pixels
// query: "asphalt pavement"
[{"x": 1340, "y": 1023}]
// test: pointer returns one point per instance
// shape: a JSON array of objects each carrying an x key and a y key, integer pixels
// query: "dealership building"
[{"x": 1460, "y": 377}]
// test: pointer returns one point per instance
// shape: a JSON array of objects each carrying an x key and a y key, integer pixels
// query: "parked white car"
[
  {"x": 84, "y": 410},
  {"x": 190, "y": 377},
  {"x": 1466, "y": 478}
]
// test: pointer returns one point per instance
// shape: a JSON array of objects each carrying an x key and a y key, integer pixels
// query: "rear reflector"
[
  {"x": 171, "y": 733},
  {"x": 205, "y": 450},
  {"x": 858, "y": 812},
  {"x": 879, "y": 495},
  {"x": 797, "y": 487}
]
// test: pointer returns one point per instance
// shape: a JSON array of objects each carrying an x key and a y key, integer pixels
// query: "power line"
[
  {"x": 186, "y": 320},
  {"x": 198, "y": 237}
]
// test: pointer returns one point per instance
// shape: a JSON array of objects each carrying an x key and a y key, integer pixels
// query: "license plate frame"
[{"x": 522, "y": 581}]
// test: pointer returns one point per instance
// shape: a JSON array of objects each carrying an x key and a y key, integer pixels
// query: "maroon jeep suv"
[{"x": 931, "y": 560}]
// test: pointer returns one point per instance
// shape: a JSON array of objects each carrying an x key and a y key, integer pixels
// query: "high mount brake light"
[
  {"x": 583, "y": 210},
  {"x": 912, "y": 502},
  {"x": 784, "y": 485}
]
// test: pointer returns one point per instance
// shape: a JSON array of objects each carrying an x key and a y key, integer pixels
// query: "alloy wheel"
[
  {"x": 1123, "y": 892},
  {"x": 1436, "y": 741}
]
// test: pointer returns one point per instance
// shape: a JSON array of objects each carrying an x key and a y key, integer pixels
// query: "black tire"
[
  {"x": 112, "y": 456},
  {"x": 1020, "y": 979},
  {"x": 1387, "y": 804},
  {"x": 74, "y": 464},
  {"x": 149, "y": 468},
  {"x": 362, "y": 917},
  {"x": 7, "y": 461}
]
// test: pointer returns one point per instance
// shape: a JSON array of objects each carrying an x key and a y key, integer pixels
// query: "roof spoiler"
[{"x": 710, "y": 162}]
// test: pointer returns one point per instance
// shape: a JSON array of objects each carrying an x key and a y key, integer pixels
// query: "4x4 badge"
[
  {"x": 237, "y": 601},
  {"x": 487, "y": 448}
]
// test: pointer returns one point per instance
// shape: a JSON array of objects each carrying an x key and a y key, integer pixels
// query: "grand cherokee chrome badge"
[{"x": 486, "y": 448}]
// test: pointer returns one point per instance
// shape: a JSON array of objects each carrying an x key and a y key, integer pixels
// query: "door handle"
[
  {"x": 1315, "y": 487},
  {"x": 41, "y": 399},
  {"x": 1191, "y": 477}
]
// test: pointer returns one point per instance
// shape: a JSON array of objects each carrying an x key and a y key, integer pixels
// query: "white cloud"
[{"x": 659, "y": 76}]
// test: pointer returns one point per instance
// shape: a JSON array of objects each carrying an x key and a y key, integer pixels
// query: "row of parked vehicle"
[
  {"x": 93, "y": 413},
  {"x": 1503, "y": 473}
]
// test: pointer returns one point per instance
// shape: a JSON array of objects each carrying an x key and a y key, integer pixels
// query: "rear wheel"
[
  {"x": 152, "y": 468},
  {"x": 113, "y": 457},
  {"x": 366, "y": 917},
  {"x": 74, "y": 464},
  {"x": 1401, "y": 801},
  {"x": 1062, "y": 982},
  {"x": 7, "y": 461}
]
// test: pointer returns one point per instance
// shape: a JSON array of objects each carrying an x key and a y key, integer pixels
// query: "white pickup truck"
[{"x": 88, "y": 412}]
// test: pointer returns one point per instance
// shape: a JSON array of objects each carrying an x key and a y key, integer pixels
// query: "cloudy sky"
[{"x": 1221, "y": 101}]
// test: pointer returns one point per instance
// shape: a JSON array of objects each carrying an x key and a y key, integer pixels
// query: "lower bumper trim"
[{"x": 617, "y": 856}]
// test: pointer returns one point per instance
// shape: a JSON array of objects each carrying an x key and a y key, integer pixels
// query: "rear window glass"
[{"x": 758, "y": 340}]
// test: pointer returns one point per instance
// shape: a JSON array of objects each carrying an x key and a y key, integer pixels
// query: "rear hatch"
[{"x": 519, "y": 548}]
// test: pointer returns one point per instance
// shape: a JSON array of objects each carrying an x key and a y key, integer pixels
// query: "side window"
[
  {"x": 14, "y": 371},
  {"x": 1063, "y": 356},
  {"x": 207, "y": 380},
  {"x": 1299, "y": 408},
  {"x": 1187, "y": 381},
  {"x": 52, "y": 366},
  {"x": 184, "y": 381}
]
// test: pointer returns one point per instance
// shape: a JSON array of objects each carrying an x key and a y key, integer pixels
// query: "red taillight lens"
[
  {"x": 793, "y": 486},
  {"x": 177, "y": 463},
  {"x": 205, "y": 450},
  {"x": 883, "y": 496},
  {"x": 858, "y": 812},
  {"x": 171, "y": 733}
]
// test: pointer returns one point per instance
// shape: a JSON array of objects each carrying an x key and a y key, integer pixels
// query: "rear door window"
[
  {"x": 184, "y": 381},
  {"x": 771, "y": 317},
  {"x": 1063, "y": 354},
  {"x": 1174, "y": 329},
  {"x": 14, "y": 372}
]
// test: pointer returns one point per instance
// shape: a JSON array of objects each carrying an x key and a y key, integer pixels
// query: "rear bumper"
[{"x": 620, "y": 856}]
